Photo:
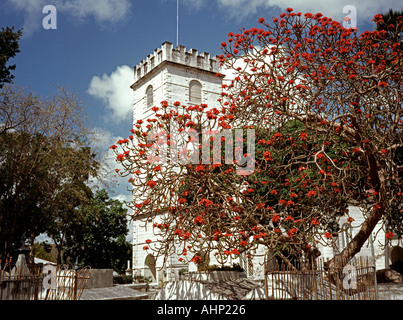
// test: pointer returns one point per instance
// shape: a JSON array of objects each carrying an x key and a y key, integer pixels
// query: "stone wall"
[
  {"x": 100, "y": 278},
  {"x": 390, "y": 291}
]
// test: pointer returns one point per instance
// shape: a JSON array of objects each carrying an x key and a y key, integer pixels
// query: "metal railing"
[
  {"x": 356, "y": 280},
  {"x": 63, "y": 282}
]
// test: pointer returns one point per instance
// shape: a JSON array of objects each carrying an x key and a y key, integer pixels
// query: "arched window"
[
  {"x": 150, "y": 96},
  {"x": 195, "y": 92}
]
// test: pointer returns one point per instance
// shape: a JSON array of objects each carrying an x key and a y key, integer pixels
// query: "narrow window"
[
  {"x": 150, "y": 98},
  {"x": 195, "y": 92}
]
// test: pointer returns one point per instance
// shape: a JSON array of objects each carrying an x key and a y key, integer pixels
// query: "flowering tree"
[
  {"x": 325, "y": 105},
  {"x": 346, "y": 90}
]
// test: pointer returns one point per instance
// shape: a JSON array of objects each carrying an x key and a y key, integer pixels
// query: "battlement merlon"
[{"x": 179, "y": 55}]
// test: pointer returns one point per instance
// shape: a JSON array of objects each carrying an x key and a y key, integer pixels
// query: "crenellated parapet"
[{"x": 179, "y": 55}]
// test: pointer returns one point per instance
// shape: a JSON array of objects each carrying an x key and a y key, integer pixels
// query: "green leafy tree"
[
  {"x": 43, "y": 251},
  {"x": 97, "y": 236},
  {"x": 44, "y": 159},
  {"x": 73, "y": 193},
  {"x": 9, "y": 47},
  {"x": 390, "y": 22}
]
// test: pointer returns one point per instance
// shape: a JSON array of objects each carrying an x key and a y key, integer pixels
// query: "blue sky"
[{"x": 97, "y": 43}]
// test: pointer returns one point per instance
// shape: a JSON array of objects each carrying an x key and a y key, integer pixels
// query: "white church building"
[
  {"x": 174, "y": 74},
  {"x": 169, "y": 74}
]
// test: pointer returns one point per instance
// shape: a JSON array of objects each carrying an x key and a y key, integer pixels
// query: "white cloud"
[
  {"x": 115, "y": 91},
  {"x": 194, "y": 4},
  {"x": 331, "y": 8},
  {"x": 101, "y": 140},
  {"x": 103, "y": 11},
  {"x": 116, "y": 186},
  {"x": 123, "y": 197},
  {"x": 32, "y": 13}
]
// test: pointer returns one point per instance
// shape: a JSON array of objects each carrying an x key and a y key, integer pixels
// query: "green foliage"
[
  {"x": 40, "y": 251},
  {"x": 41, "y": 182},
  {"x": 390, "y": 20},
  {"x": 98, "y": 235},
  {"x": 9, "y": 47},
  {"x": 142, "y": 279},
  {"x": 122, "y": 279},
  {"x": 45, "y": 163}
]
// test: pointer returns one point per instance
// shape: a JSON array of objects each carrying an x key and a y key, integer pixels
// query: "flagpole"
[{"x": 177, "y": 22}]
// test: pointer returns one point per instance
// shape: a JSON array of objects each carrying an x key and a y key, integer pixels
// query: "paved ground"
[
  {"x": 120, "y": 292},
  {"x": 236, "y": 289},
  {"x": 390, "y": 291}
]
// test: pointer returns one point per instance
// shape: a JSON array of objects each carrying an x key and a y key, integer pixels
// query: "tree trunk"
[
  {"x": 378, "y": 178},
  {"x": 32, "y": 253},
  {"x": 355, "y": 245}
]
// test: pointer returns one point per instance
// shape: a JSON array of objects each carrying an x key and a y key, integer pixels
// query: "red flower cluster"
[
  {"x": 389, "y": 235},
  {"x": 198, "y": 220},
  {"x": 205, "y": 202},
  {"x": 315, "y": 222},
  {"x": 200, "y": 168},
  {"x": 196, "y": 259},
  {"x": 291, "y": 232},
  {"x": 267, "y": 156},
  {"x": 151, "y": 184},
  {"x": 311, "y": 194},
  {"x": 182, "y": 200}
]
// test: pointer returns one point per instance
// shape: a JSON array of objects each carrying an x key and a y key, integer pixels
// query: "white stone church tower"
[{"x": 170, "y": 74}]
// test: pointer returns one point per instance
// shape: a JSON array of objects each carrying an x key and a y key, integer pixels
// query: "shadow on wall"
[{"x": 151, "y": 270}]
